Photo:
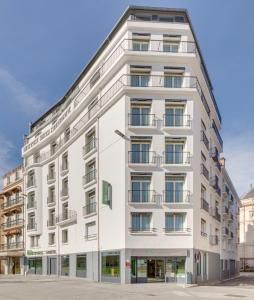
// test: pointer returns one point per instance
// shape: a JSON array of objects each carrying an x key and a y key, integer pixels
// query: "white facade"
[{"x": 149, "y": 84}]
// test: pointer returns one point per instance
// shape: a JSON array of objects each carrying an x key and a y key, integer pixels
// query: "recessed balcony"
[
  {"x": 51, "y": 177},
  {"x": 89, "y": 209},
  {"x": 31, "y": 226},
  {"x": 31, "y": 204},
  {"x": 51, "y": 223},
  {"x": 64, "y": 169},
  {"x": 89, "y": 178},
  {"x": 51, "y": 201},
  {"x": 90, "y": 148}
]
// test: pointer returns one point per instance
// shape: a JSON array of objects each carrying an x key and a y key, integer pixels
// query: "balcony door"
[
  {"x": 140, "y": 116},
  {"x": 174, "y": 116},
  {"x": 140, "y": 190},
  {"x": 140, "y": 153},
  {"x": 175, "y": 222},
  {"x": 174, "y": 153},
  {"x": 174, "y": 190}
]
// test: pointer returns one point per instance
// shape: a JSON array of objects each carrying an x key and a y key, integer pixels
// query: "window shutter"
[{"x": 107, "y": 193}]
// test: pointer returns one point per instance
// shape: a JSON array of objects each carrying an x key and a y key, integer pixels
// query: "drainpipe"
[
  {"x": 98, "y": 214},
  {"x": 58, "y": 227}
]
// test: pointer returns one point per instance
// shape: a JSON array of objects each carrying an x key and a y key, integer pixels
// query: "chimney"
[{"x": 223, "y": 161}]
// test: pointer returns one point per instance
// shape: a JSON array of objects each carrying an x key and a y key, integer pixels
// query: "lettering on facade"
[{"x": 49, "y": 131}]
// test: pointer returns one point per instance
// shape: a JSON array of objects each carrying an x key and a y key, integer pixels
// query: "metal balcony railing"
[
  {"x": 12, "y": 202},
  {"x": 176, "y": 121},
  {"x": 225, "y": 190},
  {"x": 177, "y": 230},
  {"x": 13, "y": 223},
  {"x": 69, "y": 216},
  {"x": 142, "y": 157},
  {"x": 176, "y": 158},
  {"x": 225, "y": 231},
  {"x": 176, "y": 196},
  {"x": 89, "y": 177},
  {"x": 89, "y": 146},
  {"x": 30, "y": 183},
  {"x": 142, "y": 120},
  {"x": 204, "y": 139},
  {"x": 12, "y": 246},
  {"x": 214, "y": 153},
  {"x": 204, "y": 205},
  {"x": 89, "y": 208},
  {"x": 140, "y": 229},
  {"x": 142, "y": 196},
  {"x": 225, "y": 210},
  {"x": 214, "y": 240},
  {"x": 217, "y": 134}
]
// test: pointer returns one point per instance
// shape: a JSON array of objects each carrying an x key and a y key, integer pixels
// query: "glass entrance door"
[{"x": 155, "y": 270}]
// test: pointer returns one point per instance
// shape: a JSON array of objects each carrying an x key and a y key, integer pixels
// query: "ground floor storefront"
[
  {"x": 12, "y": 265},
  {"x": 132, "y": 265}
]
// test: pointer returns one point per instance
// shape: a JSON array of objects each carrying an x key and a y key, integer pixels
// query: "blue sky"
[{"x": 45, "y": 44}]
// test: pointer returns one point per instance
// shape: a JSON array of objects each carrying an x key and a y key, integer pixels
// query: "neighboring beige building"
[
  {"x": 12, "y": 223},
  {"x": 246, "y": 247}
]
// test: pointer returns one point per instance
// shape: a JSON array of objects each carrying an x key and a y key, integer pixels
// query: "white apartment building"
[
  {"x": 246, "y": 246},
  {"x": 124, "y": 170}
]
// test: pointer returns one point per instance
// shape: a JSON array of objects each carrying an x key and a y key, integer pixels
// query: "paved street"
[{"x": 44, "y": 288}]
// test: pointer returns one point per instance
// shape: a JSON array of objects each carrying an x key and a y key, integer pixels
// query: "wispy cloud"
[
  {"x": 239, "y": 153},
  {"x": 20, "y": 94},
  {"x": 6, "y": 148}
]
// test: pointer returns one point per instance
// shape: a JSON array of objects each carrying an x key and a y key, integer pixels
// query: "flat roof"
[{"x": 130, "y": 9}]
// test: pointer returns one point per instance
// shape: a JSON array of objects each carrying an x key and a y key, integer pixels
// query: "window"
[
  {"x": 31, "y": 179},
  {"x": 53, "y": 148},
  {"x": 37, "y": 157},
  {"x": 106, "y": 193},
  {"x": 90, "y": 172},
  {"x": 174, "y": 153},
  {"x": 90, "y": 203},
  {"x": 65, "y": 187},
  {"x": 67, "y": 134},
  {"x": 141, "y": 189},
  {"x": 65, "y": 213},
  {"x": 30, "y": 200},
  {"x": 34, "y": 241},
  {"x": 51, "y": 172},
  {"x": 174, "y": 116},
  {"x": 90, "y": 142},
  {"x": 141, "y": 115},
  {"x": 140, "y": 42},
  {"x": 90, "y": 231},
  {"x": 140, "y": 76},
  {"x": 81, "y": 266},
  {"x": 52, "y": 218},
  {"x": 52, "y": 239},
  {"x": 65, "y": 164},
  {"x": 51, "y": 195},
  {"x": 171, "y": 43},
  {"x": 173, "y": 79},
  {"x": 65, "y": 261},
  {"x": 95, "y": 78},
  {"x": 141, "y": 222},
  {"x": 31, "y": 225},
  {"x": 8, "y": 179},
  {"x": 110, "y": 264},
  {"x": 140, "y": 152},
  {"x": 175, "y": 222},
  {"x": 65, "y": 236},
  {"x": 175, "y": 192},
  {"x": 203, "y": 228}
]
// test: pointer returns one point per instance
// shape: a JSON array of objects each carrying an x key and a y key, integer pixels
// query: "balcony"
[
  {"x": 173, "y": 121},
  {"x": 89, "y": 209},
  {"x": 51, "y": 177},
  {"x": 89, "y": 148},
  {"x": 89, "y": 178},
  {"x": 12, "y": 203},
  {"x": 64, "y": 169},
  {"x": 31, "y": 225},
  {"x": 204, "y": 234},
  {"x": 154, "y": 46},
  {"x": 13, "y": 224},
  {"x": 12, "y": 246},
  {"x": 214, "y": 212},
  {"x": 214, "y": 240},
  {"x": 231, "y": 199},
  {"x": 142, "y": 157},
  {"x": 176, "y": 158},
  {"x": 204, "y": 171},
  {"x": 68, "y": 217},
  {"x": 142, "y": 230},
  {"x": 216, "y": 131},
  {"x": 225, "y": 190},
  {"x": 204, "y": 205},
  {"x": 225, "y": 210},
  {"x": 225, "y": 231},
  {"x": 142, "y": 197},
  {"x": 204, "y": 139},
  {"x": 142, "y": 120},
  {"x": 177, "y": 230},
  {"x": 176, "y": 197},
  {"x": 214, "y": 181}
]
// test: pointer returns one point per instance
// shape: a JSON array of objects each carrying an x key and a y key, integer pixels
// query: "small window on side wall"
[{"x": 107, "y": 193}]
